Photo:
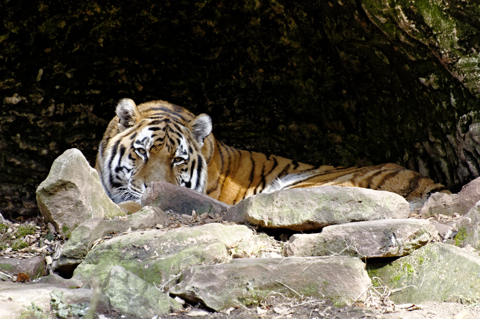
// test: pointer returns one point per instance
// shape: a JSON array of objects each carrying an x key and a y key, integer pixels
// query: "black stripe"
[
  {"x": 170, "y": 112},
  {"x": 221, "y": 168},
  {"x": 227, "y": 172},
  {"x": 295, "y": 164},
  {"x": 109, "y": 167},
  {"x": 334, "y": 170},
  {"x": 199, "y": 172},
  {"x": 264, "y": 175},
  {"x": 252, "y": 172},
  {"x": 413, "y": 184}
]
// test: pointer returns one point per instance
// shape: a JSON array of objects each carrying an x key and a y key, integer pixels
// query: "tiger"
[{"x": 160, "y": 141}]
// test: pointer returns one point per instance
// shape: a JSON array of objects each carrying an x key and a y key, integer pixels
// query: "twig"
[{"x": 289, "y": 288}]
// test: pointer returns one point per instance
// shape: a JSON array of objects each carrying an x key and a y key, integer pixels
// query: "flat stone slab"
[
  {"x": 248, "y": 281},
  {"x": 180, "y": 200},
  {"x": 379, "y": 238},
  {"x": 157, "y": 256},
  {"x": 435, "y": 272},
  {"x": 314, "y": 208},
  {"x": 15, "y": 297},
  {"x": 34, "y": 267}
]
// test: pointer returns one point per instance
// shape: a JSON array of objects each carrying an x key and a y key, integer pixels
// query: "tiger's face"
[{"x": 152, "y": 144}]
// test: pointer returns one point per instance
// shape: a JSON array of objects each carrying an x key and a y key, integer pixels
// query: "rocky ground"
[
  {"x": 327, "y": 252},
  {"x": 44, "y": 241}
]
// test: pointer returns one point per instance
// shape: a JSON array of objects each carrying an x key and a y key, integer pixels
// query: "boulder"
[
  {"x": 449, "y": 204},
  {"x": 56, "y": 280},
  {"x": 34, "y": 267},
  {"x": 16, "y": 298},
  {"x": 157, "y": 256},
  {"x": 379, "y": 238},
  {"x": 468, "y": 228},
  {"x": 123, "y": 287},
  {"x": 248, "y": 281},
  {"x": 180, "y": 200},
  {"x": 435, "y": 272},
  {"x": 314, "y": 208},
  {"x": 72, "y": 193},
  {"x": 85, "y": 235}
]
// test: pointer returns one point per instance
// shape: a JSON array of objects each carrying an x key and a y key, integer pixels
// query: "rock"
[
  {"x": 2, "y": 220},
  {"x": 435, "y": 272},
  {"x": 34, "y": 267},
  {"x": 72, "y": 193},
  {"x": 157, "y": 256},
  {"x": 379, "y": 238},
  {"x": 449, "y": 204},
  {"x": 180, "y": 199},
  {"x": 446, "y": 232},
  {"x": 15, "y": 298},
  {"x": 314, "y": 208},
  {"x": 132, "y": 295},
  {"x": 85, "y": 235},
  {"x": 56, "y": 280},
  {"x": 247, "y": 281},
  {"x": 468, "y": 228}
]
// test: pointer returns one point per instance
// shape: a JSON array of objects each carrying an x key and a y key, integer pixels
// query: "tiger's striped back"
[{"x": 235, "y": 174}]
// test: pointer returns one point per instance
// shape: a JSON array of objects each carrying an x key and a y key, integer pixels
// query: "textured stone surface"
[
  {"x": 15, "y": 298},
  {"x": 314, "y": 208},
  {"x": 34, "y": 267},
  {"x": 132, "y": 295},
  {"x": 155, "y": 255},
  {"x": 435, "y": 272},
  {"x": 247, "y": 281},
  {"x": 450, "y": 204},
  {"x": 72, "y": 193},
  {"x": 180, "y": 200},
  {"x": 469, "y": 228},
  {"x": 379, "y": 238},
  {"x": 84, "y": 236}
]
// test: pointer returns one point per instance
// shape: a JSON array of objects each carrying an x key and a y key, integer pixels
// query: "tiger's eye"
[
  {"x": 178, "y": 160},
  {"x": 142, "y": 151}
]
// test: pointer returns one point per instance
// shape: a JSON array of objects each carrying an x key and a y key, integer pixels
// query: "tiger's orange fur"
[{"x": 179, "y": 148}]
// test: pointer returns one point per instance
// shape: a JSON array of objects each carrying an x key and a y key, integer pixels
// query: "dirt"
[{"x": 317, "y": 309}]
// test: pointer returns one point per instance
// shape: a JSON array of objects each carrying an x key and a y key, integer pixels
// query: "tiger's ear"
[
  {"x": 201, "y": 127},
  {"x": 127, "y": 113}
]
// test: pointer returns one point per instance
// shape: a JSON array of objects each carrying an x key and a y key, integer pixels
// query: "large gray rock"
[
  {"x": 85, "y": 235},
  {"x": 72, "y": 193},
  {"x": 157, "y": 256},
  {"x": 16, "y": 298},
  {"x": 132, "y": 295},
  {"x": 449, "y": 204},
  {"x": 379, "y": 238},
  {"x": 34, "y": 267},
  {"x": 435, "y": 272},
  {"x": 180, "y": 199},
  {"x": 248, "y": 281},
  {"x": 468, "y": 228},
  {"x": 314, "y": 208}
]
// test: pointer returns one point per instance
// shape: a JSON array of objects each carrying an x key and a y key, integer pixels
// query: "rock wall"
[{"x": 338, "y": 82}]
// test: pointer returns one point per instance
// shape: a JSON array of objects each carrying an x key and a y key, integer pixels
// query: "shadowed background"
[{"x": 323, "y": 82}]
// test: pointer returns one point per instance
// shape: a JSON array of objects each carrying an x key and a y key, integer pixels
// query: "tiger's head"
[{"x": 154, "y": 141}]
